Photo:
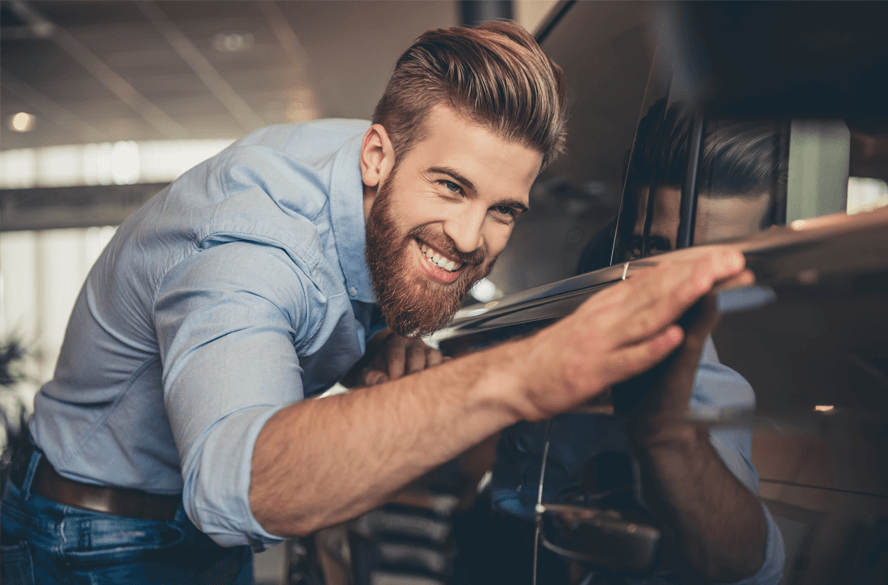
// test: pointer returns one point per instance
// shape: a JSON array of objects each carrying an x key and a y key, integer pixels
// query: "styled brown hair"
[{"x": 495, "y": 74}]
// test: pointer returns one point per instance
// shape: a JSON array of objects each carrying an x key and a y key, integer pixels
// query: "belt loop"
[{"x": 29, "y": 475}]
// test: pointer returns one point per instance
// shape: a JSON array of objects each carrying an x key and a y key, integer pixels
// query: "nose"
[{"x": 465, "y": 228}]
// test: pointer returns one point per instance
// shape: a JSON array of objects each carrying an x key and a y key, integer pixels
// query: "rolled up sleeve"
[
  {"x": 719, "y": 387},
  {"x": 228, "y": 319}
]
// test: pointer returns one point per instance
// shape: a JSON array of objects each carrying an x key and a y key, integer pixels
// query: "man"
[{"x": 174, "y": 436}]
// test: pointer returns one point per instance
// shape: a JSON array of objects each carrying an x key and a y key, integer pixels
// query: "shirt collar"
[{"x": 347, "y": 216}]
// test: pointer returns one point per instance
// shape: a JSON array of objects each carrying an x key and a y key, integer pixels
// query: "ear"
[{"x": 377, "y": 156}]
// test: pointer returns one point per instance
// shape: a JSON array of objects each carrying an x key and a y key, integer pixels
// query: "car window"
[
  {"x": 606, "y": 52},
  {"x": 738, "y": 169}
]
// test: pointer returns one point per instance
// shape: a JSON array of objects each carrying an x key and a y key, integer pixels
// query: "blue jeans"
[{"x": 45, "y": 542}]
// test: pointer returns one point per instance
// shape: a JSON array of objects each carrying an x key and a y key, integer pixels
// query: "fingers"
[
  {"x": 411, "y": 355},
  {"x": 434, "y": 357},
  {"x": 395, "y": 355},
  {"x": 627, "y": 329},
  {"x": 700, "y": 320},
  {"x": 401, "y": 356},
  {"x": 745, "y": 278},
  {"x": 416, "y": 357},
  {"x": 657, "y": 297},
  {"x": 633, "y": 360},
  {"x": 666, "y": 388},
  {"x": 374, "y": 377}
]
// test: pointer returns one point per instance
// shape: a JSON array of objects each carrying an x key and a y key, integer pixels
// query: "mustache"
[{"x": 445, "y": 244}]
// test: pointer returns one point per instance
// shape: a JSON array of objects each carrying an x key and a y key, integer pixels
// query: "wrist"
[{"x": 511, "y": 380}]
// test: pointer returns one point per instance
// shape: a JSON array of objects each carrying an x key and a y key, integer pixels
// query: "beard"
[{"x": 413, "y": 305}]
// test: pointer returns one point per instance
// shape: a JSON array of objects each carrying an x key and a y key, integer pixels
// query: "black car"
[{"x": 761, "y": 124}]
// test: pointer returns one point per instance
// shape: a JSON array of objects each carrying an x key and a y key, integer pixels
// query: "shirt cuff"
[{"x": 217, "y": 480}]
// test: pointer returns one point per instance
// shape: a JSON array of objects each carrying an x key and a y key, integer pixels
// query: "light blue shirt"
[
  {"x": 237, "y": 290},
  {"x": 575, "y": 438}
]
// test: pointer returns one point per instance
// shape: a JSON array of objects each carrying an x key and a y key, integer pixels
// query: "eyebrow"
[{"x": 520, "y": 205}]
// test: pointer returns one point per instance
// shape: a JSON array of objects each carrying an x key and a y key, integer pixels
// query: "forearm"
[
  {"x": 321, "y": 462},
  {"x": 713, "y": 521}
]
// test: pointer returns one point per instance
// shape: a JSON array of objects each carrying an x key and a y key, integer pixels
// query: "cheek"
[
  {"x": 424, "y": 209},
  {"x": 496, "y": 238}
]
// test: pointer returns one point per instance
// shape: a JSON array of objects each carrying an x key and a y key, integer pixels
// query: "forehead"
[
  {"x": 477, "y": 152},
  {"x": 666, "y": 208}
]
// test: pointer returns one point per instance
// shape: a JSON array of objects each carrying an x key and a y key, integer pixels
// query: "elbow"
[
  {"x": 292, "y": 527},
  {"x": 741, "y": 563},
  {"x": 285, "y": 525}
]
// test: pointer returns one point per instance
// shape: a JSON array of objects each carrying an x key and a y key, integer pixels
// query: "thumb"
[{"x": 699, "y": 322}]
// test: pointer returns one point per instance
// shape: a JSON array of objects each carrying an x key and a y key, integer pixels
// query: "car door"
[{"x": 665, "y": 153}]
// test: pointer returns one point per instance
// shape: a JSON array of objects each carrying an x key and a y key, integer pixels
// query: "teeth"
[{"x": 437, "y": 259}]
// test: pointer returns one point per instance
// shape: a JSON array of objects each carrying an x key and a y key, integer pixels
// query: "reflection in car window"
[
  {"x": 741, "y": 180},
  {"x": 606, "y": 52}
]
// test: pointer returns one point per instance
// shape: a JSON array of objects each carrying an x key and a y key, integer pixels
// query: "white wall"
[{"x": 40, "y": 276}]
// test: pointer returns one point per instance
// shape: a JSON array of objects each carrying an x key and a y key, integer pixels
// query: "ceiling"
[{"x": 104, "y": 71}]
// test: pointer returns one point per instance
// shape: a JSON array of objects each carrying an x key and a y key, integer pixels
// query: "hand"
[
  {"x": 664, "y": 391},
  {"x": 712, "y": 521},
  {"x": 620, "y": 332},
  {"x": 389, "y": 357}
]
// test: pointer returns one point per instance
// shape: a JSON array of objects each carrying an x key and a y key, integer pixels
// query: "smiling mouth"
[{"x": 437, "y": 259}]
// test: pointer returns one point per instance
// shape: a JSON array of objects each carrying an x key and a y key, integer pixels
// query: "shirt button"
[{"x": 352, "y": 291}]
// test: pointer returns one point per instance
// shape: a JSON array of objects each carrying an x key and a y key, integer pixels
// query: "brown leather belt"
[{"x": 125, "y": 502}]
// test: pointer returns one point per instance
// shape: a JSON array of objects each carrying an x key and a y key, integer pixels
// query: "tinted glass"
[
  {"x": 740, "y": 179},
  {"x": 606, "y": 53}
]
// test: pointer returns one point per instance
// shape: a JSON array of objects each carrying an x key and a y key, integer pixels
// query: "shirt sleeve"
[
  {"x": 718, "y": 387},
  {"x": 718, "y": 391},
  {"x": 229, "y": 320}
]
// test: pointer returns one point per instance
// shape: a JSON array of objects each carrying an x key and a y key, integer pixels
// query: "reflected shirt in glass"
[{"x": 575, "y": 438}]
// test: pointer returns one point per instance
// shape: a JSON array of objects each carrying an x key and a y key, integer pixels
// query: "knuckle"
[{"x": 644, "y": 323}]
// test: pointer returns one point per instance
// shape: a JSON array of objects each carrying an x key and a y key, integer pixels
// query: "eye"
[
  {"x": 505, "y": 210},
  {"x": 634, "y": 250},
  {"x": 451, "y": 186},
  {"x": 658, "y": 245}
]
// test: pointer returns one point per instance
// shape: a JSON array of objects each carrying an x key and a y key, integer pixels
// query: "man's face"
[
  {"x": 439, "y": 221},
  {"x": 718, "y": 218}
]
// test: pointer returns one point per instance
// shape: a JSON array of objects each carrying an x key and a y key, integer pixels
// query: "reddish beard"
[{"x": 412, "y": 304}]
